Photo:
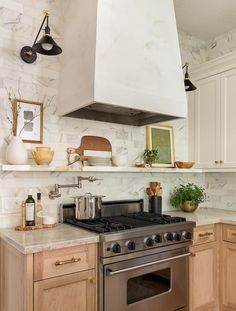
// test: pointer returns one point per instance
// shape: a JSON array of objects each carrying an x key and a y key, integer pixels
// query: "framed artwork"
[
  {"x": 29, "y": 121},
  {"x": 162, "y": 138}
]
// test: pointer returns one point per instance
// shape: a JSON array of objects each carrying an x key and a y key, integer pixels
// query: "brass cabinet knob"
[
  {"x": 221, "y": 161},
  {"x": 216, "y": 162}
]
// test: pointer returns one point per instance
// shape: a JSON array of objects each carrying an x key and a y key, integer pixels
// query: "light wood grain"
[
  {"x": 204, "y": 234},
  {"x": 204, "y": 277},
  {"x": 229, "y": 276},
  {"x": 45, "y": 262},
  {"x": 73, "y": 292},
  {"x": 229, "y": 233},
  {"x": 16, "y": 279}
]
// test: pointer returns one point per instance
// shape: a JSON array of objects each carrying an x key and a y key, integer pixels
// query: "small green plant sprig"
[
  {"x": 150, "y": 156},
  {"x": 190, "y": 192}
]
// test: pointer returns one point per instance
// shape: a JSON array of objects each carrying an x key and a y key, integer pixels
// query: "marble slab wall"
[{"x": 19, "y": 22}]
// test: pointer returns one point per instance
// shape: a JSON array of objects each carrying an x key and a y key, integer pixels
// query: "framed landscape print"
[
  {"x": 162, "y": 138},
  {"x": 29, "y": 122}
]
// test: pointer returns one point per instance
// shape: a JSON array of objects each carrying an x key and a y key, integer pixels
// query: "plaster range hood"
[{"x": 121, "y": 62}]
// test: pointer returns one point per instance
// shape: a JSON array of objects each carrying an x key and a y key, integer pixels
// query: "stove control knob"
[
  {"x": 187, "y": 235},
  {"x": 169, "y": 236},
  {"x": 158, "y": 238},
  {"x": 149, "y": 242},
  {"x": 116, "y": 248},
  {"x": 177, "y": 237},
  {"x": 131, "y": 245}
]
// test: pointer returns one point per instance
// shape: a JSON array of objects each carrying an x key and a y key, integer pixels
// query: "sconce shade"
[
  {"x": 47, "y": 40},
  {"x": 189, "y": 86}
]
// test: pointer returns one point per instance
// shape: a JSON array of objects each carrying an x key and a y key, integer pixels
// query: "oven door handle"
[{"x": 110, "y": 272}]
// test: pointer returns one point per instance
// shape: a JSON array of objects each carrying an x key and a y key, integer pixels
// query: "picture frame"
[
  {"x": 162, "y": 138},
  {"x": 29, "y": 122}
]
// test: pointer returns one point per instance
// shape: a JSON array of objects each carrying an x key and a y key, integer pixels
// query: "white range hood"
[{"x": 121, "y": 62}]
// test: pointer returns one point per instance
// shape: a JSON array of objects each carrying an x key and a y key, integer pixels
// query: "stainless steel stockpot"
[{"x": 88, "y": 206}]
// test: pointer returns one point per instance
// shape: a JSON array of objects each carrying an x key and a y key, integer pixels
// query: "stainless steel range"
[{"x": 143, "y": 257}]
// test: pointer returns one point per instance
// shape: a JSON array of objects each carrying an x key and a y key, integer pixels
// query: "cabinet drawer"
[
  {"x": 229, "y": 233},
  {"x": 64, "y": 261},
  {"x": 204, "y": 234}
]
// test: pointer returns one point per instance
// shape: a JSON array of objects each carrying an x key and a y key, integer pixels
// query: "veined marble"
[
  {"x": 208, "y": 216},
  {"x": 28, "y": 242},
  {"x": 20, "y": 20}
]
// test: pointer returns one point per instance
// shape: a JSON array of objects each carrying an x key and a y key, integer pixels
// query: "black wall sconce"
[
  {"x": 46, "y": 45},
  {"x": 189, "y": 86}
]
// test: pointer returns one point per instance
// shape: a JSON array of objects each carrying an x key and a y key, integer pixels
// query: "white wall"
[{"x": 19, "y": 23}]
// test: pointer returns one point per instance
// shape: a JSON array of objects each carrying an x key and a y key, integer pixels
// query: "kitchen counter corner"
[{"x": 28, "y": 242}]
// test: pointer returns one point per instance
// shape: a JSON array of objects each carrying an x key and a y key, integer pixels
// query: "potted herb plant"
[
  {"x": 150, "y": 156},
  {"x": 188, "y": 197}
]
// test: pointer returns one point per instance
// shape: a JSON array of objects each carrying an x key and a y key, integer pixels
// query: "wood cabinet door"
[
  {"x": 228, "y": 113},
  {"x": 73, "y": 292},
  {"x": 204, "y": 277},
  {"x": 207, "y": 123},
  {"x": 229, "y": 275}
]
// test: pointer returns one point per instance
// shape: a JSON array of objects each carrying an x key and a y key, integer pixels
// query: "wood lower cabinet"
[
  {"x": 72, "y": 292},
  {"x": 56, "y": 280},
  {"x": 204, "y": 277},
  {"x": 229, "y": 276}
]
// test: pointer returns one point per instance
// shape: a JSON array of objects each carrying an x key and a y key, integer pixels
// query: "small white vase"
[{"x": 16, "y": 152}]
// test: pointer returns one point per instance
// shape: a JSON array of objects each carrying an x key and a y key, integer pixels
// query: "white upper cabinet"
[
  {"x": 120, "y": 55},
  {"x": 213, "y": 129}
]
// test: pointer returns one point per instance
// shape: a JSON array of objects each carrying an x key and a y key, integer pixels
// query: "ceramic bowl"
[{"x": 119, "y": 160}]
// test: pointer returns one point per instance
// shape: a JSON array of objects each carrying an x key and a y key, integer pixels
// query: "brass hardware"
[
  {"x": 203, "y": 235},
  {"x": 46, "y": 12},
  {"x": 221, "y": 161},
  {"x": 65, "y": 262},
  {"x": 29, "y": 53},
  {"x": 216, "y": 162},
  {"x": 93, "y": 280},
  {"x": 193, "y": 255}
]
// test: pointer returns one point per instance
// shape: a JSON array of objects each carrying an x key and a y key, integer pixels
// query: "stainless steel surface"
[
  {"x": 154, "y": 285},
  {"x": 53, "y": 194},
  {"x": 116, "y": 114},
  {"x": 88, "y": 206},
  {"x": 110, "y": 273}
]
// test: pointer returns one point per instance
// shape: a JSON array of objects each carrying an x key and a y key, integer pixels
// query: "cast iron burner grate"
[
  {"x": 109, "y": 224},
  {"x": 156, "y": 218}
]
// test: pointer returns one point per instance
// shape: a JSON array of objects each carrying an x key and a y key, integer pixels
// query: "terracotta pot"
[
  {"x": 16, "y": 153},
  {"x": 188, "y": 206},
  {"x": 43, "y": 155}
]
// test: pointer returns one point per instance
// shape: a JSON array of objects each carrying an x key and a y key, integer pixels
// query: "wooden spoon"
[{"x": 149, "y": 191}]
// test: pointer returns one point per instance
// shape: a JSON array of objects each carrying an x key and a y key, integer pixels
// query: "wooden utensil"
[
  {"x": 155, "y": 186},
  {"x": 149, "y": 191}
]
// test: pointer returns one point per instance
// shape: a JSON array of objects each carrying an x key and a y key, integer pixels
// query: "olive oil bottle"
[
  {"x": 39, "y": 211},
  {"x": 30, "y": 210}
]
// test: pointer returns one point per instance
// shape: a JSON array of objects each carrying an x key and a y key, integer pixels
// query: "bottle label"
[{"x": 30, "y": 211}]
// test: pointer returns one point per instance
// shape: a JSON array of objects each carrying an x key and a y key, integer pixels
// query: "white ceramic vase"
[{"x": 16, "y": 152}]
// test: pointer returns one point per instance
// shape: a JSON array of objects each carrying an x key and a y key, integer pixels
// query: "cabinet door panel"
[
  {"x": 203, "y": 277},
  {"x": 228, "y": 113},
  {"x": 229, "y": 275},
  {"x": 207, "y": 122},
  {"x": 72, "y": 292}
]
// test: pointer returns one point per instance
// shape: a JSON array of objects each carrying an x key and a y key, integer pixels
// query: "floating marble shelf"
[{"x": 108, "y": 169}]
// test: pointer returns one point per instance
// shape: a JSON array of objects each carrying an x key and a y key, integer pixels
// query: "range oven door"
[{"x": 153, "y": 283}]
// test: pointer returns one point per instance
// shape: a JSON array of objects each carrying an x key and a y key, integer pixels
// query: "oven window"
[{"x": 148, "y": 285}]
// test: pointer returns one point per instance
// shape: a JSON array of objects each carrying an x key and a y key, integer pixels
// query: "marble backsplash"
[{"x": 19, "y": 23}]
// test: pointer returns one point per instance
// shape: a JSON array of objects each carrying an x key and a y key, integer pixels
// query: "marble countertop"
[
  {"x": 28, "y": 242},
  {"x": 207, "y": 216}
]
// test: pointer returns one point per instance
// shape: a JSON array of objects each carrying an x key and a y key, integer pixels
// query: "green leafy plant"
[
  {"x": 150, "y": 156},
  {"x": 189, "y": 192}
]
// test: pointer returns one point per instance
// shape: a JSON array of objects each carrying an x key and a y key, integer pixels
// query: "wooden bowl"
[{"x": 180, "y": 164}]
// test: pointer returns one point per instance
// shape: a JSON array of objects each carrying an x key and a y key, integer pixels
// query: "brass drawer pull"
[
  {"x": 203, "y": 235},
  {"x": 65, "y": 262},
  {"x": 193, "y": 255},
  {"x": 233, "y": 233}
]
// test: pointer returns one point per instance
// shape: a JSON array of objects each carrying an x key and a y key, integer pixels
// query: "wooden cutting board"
[{"x": 91, "y": 143}]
